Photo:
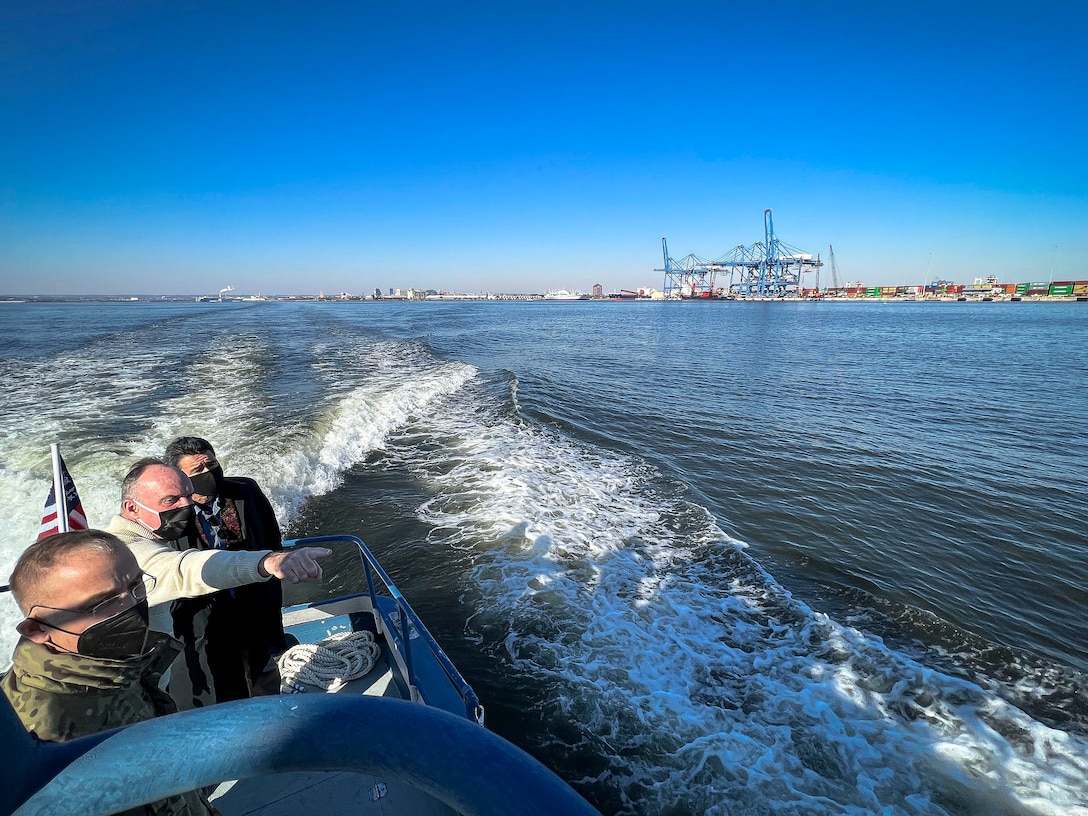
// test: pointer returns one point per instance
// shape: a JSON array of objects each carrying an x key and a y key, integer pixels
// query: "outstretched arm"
[{"x": 297, "y": 566}]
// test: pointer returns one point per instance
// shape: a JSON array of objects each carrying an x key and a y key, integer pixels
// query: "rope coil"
[{"x": 329, "y": 664}]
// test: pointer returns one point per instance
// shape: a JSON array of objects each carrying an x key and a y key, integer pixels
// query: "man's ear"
[
  {"x": 129, "y": 509},
  {"x": 32, "y": 630}
]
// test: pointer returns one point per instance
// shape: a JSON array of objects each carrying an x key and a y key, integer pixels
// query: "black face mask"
[
  {"x": 177, "y": 523},
  {"x": 207, "y": 483},
  {"x": 121, "y": 637}
]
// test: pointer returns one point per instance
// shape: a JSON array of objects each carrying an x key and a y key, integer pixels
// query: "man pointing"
[{"x": 157, "y": 512}]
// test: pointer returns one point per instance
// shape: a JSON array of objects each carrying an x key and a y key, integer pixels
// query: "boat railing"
[
  {"x": 470, "y": 769},
  {"x": 406, "y": 624}
]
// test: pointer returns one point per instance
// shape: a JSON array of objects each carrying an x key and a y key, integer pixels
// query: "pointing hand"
[{"x": 296, "y": 566}]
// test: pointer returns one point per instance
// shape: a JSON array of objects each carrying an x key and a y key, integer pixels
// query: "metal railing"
[{"x": 407, "y": 621}]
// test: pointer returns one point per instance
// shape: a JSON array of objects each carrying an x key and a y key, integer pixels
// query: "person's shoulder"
[
  {"x": 240, "y": 480},
  {"x": 240, "y": 487},
  {"x": 128, "y": 530}
]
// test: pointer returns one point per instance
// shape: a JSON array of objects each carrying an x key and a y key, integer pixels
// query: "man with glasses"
[{"x": 87, "y": 661}]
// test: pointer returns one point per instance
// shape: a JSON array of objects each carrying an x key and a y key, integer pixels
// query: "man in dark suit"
[{"x": 240, "y": 629}]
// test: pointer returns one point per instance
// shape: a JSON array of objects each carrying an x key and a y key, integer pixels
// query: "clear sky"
[{"x": 287, "y": 148}]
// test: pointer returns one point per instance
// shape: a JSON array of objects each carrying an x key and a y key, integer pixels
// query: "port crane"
[
  {"x": 690, "y": 277},
  {"x": 768, "y": 268}
]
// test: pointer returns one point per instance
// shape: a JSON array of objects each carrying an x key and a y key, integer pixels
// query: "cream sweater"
[{"x": 184, "y": 573}]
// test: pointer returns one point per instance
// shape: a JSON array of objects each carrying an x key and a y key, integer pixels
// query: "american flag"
[{"x": 76, "y": 519}]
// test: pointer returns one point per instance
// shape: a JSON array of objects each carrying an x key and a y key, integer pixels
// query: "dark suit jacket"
[{"x": 230, "y": 635}]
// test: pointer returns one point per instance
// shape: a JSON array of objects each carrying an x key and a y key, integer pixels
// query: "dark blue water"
[
  {"x": 698, "y": 557},
  {"x": 933, "y": 453}
]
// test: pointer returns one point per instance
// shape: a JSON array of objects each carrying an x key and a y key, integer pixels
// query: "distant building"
[{"x": 598, "y": 291}]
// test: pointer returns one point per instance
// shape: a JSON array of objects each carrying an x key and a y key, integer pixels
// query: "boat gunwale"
[{"x": 398, "y": 637}]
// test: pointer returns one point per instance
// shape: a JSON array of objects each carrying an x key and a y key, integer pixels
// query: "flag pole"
[{"x": 58, "y": 489}]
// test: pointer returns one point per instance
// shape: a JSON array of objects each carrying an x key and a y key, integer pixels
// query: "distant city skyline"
[{"x": 287, "y": 150}]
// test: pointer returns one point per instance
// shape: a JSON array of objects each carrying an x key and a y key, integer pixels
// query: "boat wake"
[
  {"x": 676, "y": 675},
  {"x": 665, "y": 670},
  {"x": 295, "y": 418}
]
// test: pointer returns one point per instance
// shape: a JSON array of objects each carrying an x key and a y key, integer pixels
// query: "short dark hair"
[
  {"x": 134, "y": 474},
  {"x": 46, "y": 553},
  {"x": 187, "y": 446}
]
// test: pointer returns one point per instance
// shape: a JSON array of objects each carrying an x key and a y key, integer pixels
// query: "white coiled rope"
[{"x": 328, "y": 664}]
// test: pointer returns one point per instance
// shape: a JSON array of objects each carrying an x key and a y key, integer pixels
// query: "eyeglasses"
[{"x": 135, "y": 593}]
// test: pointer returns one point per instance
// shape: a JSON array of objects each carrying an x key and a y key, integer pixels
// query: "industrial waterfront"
[{"x": 770, "y": 269}]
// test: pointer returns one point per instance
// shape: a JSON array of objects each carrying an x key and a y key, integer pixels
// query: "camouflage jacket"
[{"x": 60, "y": 696}]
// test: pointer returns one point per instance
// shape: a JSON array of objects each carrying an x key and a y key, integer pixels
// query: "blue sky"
[{"x": 291, "y": 148}]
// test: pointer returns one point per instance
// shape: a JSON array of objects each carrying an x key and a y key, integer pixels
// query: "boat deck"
[{"x": 319, "y": 793}]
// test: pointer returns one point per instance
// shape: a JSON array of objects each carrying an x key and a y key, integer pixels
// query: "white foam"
[
  {"x": 295, "y": 448},
  {"x": 716, "y": 691},
  {"x": 356, "y": 425},
  {"x": 705, "y": 685}
]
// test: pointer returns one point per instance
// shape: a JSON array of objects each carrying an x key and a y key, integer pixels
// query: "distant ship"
[{"x": 564, "y": 294}]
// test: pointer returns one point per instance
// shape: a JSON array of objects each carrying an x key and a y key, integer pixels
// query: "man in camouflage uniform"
[{"x": 87, "y": 661}]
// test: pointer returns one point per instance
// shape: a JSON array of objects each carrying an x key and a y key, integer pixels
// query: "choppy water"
[{"x": 699, "y": 558}]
